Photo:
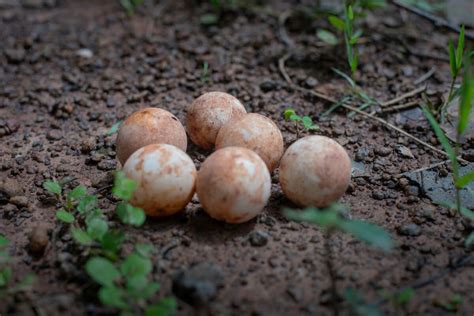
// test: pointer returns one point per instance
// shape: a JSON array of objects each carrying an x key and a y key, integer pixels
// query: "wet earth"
[{"x": 70, "y": 69}]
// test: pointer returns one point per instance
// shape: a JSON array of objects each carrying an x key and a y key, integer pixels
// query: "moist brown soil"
[{"x": 56, "y": 108}]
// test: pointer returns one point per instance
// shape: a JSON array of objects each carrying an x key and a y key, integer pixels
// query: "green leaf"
[
  {"x": 295, "y": 117},
  {"x": 86, "y": 204},
  {"x": 350, "y": 13},
  {"x": 113, "y": 240},
  {"x": 343, "y": 75},
  {"x": 460, "y": 49},
  {"x": 336, "y": 22},
  {"x": 404, "y": 296},
  {"x": 442, "y": 139},
  {"x": 136, "y": 265},
  {"x": 165, "y": 307},
  {"x": 5, "y": 276},
  {"x": 467, "y": 213},
  {"x": 367, "y": 232},
  {"x": 288, "y": 113},
  {"x": 209, "y": 19},
  {"x": 308, "y": 123},
  {"x": 467, "y": 97},
  {"x": 114, "y": 129},
  {"x": 77, "y": 193},
  {"x": 358, "y": 305},
  {"x": 469, "y": 240},
  {"x": 465, "y": 180},
  {"x": 102, "y": 271},
  {"x": 65, "y": 216},
  {"x": 144, "y": 249},
  {"x": 323, "y": 218},
  {"x": 130, "y": 214},
  {"x": 327, "y": 37},
  {"x": 112, "y": 296},
  {"x": 52, "y": 186},
  {"x": 97, "y": 228},
  {"x": 452, "y": 59},
  {"x": 3, "y": 241},
  {"x": 123, "y": 187},
  {"x": 81, "y": 237}
]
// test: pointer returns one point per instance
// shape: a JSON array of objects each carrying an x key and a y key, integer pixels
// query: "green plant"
[
  {"x": 123, "y": 189},
  {"x": 127, "y": 285},
  {"x": 333, "y": 219},
  {"x": 205, "y": 72},
  {"x": 6, "y": 273},
  {"x": 114, "y": 129},
  {"x": 130, "y": 6},
  {"x": 87, "y": 223},
  {"x": 358, "y": 305},
  {"x": 351, "y": 36},
  {"x": 465, "y": 105},
  {"x": 290, "y": 115},
  {"x": 456, "y": 63},
  {"x": 400, "y": 299}
]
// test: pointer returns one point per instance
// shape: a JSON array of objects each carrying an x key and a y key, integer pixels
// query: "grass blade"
[
  {"x": 467, "y": 96},
  {"x": 452, "y": 59},
  {"x": 460, "y": 50},
  {"x": 465, "y": 180},
  {"x": 442, "y": 139}
]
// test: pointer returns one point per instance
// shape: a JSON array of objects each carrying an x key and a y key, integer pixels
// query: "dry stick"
[
  {"x": 401, "y": 106},
  {"x": 427, "y": 168},
  {"x": 431, "y": 17},
  {"x": 403, "y": 96},
  {"x": 426, "y": 76}
]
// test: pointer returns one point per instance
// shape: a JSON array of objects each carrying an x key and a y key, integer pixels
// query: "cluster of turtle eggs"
[{"x": 233, "y": 183}]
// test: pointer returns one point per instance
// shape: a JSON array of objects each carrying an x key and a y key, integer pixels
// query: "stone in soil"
[
  {"x": 258, "y": 238},
  {"x": 410, "y": 229},
  {"x": 39, "y": 239},
  {"x": 198, "y": 284}
]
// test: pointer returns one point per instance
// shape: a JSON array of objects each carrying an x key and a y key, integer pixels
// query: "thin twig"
[
  {"x": 426, "y": 76},
  {"x": 427, "y": 168},
  {"x": 436, "y": 20},
  {"x": 401, "y": 106},
  {"x": 403, "y": 96},
  {"x": 281, "y": 66}
]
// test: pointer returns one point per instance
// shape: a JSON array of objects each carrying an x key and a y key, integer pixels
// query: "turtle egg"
[
  {"x": 233, "y": 185},
  {"x": 255, "y": 132},
  {"x": 165, "y": 177},
  {"x": 315, "y": 170},
  {"x": 208, "y": 113},
  {"x": 149, "y": 126}
]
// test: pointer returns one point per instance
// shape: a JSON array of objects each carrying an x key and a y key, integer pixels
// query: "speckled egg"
[
  {"x": 233, "y": 185},
  {"x": 255, "y": 132},
  {"x": 165, "y": 177},
  {"x": 149, "y": 126},
  {"x": 315, "y": 170},
  {"x": 208, "y": 113}
]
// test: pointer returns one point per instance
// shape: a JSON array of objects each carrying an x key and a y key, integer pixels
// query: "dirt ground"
[{"x": 57, "y": 106}]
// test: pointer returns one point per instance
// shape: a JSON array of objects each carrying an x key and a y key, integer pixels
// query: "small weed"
[
  {"x": 6, "y": 273},
  {"x": 400, "y": 299},
  {"x": 358, "y": 305},
  {"x": 130, "y": 6},
  {"x": 290, "y": 115},
  {"x": 453, "y": 304},
  {"x": 456, "y": 63},
  {"x": 114, "y": 129},
  {"x": 465, "y": 105},
  {"x": 205, "y": 73},
  {"x": 127, "y": 285},
  {"x": 123, "y": 189},
  {"x": 333, "y": 219}
]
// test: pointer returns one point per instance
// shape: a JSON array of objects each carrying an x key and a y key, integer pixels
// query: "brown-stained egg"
[
  {"x": 315, "y": 171},
  {"x": 165, "y": 177},
  {"x": 233, "y": 185},
  {"x": 255, "y": 132},
  {"x": 208, "y": 113},
  {"x": 149, "y": 126}
]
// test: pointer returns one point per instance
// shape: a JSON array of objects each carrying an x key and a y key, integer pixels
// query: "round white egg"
[{"x": 165, "y": 177}]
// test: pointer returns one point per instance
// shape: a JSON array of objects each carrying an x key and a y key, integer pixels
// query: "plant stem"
[
  {"x": 332, "y": 272},
  {"x": 450, "y": 96},
  {"x": 456, "y": 173}
]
